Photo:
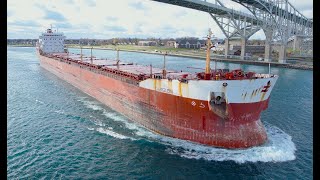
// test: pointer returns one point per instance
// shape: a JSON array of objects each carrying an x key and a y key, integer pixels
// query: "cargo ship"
[{"x": 214, "y": 107}]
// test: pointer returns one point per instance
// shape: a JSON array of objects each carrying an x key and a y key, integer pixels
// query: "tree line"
[{"x": 115, "y": 41}]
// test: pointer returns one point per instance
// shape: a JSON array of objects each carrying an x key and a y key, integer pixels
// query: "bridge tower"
[
  {"x": 278, "y": 19},
  {"x": 234, "y": 25}
]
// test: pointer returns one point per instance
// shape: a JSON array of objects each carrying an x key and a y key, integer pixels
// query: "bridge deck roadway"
[
  {"x": 223, "y": 11},
  {"x": 211, "y": 8}
]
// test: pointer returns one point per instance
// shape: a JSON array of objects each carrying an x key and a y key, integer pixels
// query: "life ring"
[{"x": 240, "y": 74}]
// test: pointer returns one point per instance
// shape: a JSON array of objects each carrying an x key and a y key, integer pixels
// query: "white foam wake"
[
  {"x": 97, "y": 122},
  {"x": 279, "y": 147},
  {"x": 112, "y": 133},
  {"x": 91, "y": 104},
  {"x": 111, "y": 115},
  {"x": 39, "y": 101}
]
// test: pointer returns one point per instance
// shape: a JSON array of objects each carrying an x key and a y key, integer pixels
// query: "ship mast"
[
  {"x": 209, "y": 46},
  {"x": 91, "y": 56},
  {"x": 67, "y": 53},
  {"x": 118, "y": 60},
  {"x": 164, "y": 71},
  {"x": 81, "y": 52}
]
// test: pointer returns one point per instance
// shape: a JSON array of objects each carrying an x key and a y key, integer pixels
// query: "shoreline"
[
  {"x": 20, "y": 46},
  {"x": 197, "y": 57}
]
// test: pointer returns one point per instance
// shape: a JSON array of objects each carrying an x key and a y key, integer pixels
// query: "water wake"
[
  {"x": 111, "y": 133},
  {"x": 279, "y": 147},
  {"x": 38, "y": 101}
]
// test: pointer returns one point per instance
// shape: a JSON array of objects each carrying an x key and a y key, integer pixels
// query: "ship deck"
[
  {"x": 149, "y": 71},
  {"x": 122, "y": 66}
]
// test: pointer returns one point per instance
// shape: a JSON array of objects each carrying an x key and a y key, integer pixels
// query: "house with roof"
[
  {"x": 191, "y": 43},
  {"x": 172, "y": 44},
  {"x": 147, "y": 43}
]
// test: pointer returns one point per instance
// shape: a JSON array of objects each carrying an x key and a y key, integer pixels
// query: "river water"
[{"x": 56, "y": 131}]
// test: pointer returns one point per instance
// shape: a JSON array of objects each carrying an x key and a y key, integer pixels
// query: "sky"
[{"x": 105, "y": 19}]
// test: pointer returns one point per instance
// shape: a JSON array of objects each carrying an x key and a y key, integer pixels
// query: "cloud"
[
  {"x": 63, "y": 25},
  {"x": 137, "y": 5},
  {"x": 115, "y": 28},
  {"x": 9, "y": 13},
  {"x": 302, "y": 5},
  {"x": 111, "y": 18},
  {"x": 180, "y": 13},
  {"x": 138, "y": 27},
  {"x": 28, "y": 23},
  {"x": 91, "y": 3},
  {"x": 167, "y": 29},
  {"x": 125, "y": 18},
  {"x": 54, "y": 15},
  {"x": 69, "y": 1}
]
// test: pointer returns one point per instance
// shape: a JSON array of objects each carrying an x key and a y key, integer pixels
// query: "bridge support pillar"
[
  {"x": 267, "y": 52},
  {"x": 282, "y": 53},
  {"x": 226, "y": 48},
  {"x": 243, "y": 48},
  {"x": 268, "y": 45},
  {"x": 297, "y": 43}
]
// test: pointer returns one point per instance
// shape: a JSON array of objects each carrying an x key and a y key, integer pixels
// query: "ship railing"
[{"x": 122, "y": 73}]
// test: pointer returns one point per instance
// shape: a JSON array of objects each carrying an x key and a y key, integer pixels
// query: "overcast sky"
[{"x": 104, "y": 19}]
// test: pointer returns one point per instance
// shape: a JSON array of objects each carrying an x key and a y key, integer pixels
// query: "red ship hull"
[{"x": 167, "y": 114}]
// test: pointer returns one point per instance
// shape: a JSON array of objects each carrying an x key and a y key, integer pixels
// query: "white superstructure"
[{"x": 51, "y": 42}]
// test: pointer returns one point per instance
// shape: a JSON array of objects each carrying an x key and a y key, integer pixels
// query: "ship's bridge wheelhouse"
[{"x": 51, "y": 42}]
